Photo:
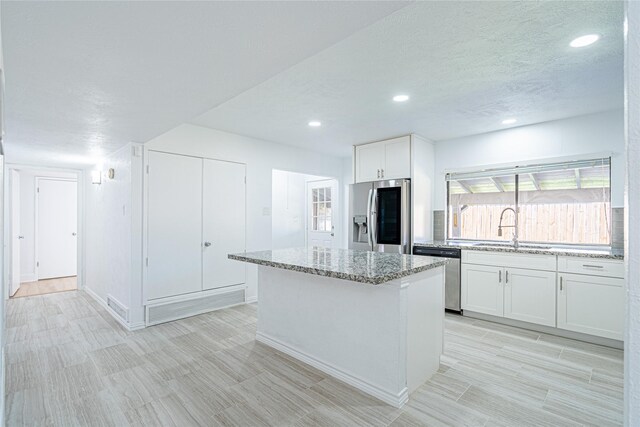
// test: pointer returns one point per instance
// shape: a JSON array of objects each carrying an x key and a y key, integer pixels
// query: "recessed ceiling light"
[
  {"x": 401, "y": 98},
  {"x": 508, "y": 121},
  {"x": 584, "y": 40},
  {"x": 315, "y": 124}
]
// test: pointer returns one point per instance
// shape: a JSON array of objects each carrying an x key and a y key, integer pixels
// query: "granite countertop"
[
  {"x": 358, "y": 266},
  {"x": 604, "y": 253}
]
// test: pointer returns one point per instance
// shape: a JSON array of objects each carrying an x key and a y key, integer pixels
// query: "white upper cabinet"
[{"x": 390, "y": 159}]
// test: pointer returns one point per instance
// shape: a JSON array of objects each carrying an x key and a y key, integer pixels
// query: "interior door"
[
  {"x": 224, "y": 223},
  {"x": 16, "y": 238},
  {"x": 174, "y": 225},
  {"x": 57, "y": 228},
  {"x": 322, "y": 197},
  {"x": 530, "y": 296}
]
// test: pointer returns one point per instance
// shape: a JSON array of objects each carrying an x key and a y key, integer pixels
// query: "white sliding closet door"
[
  {"x": 174, "y": 225},
  {"x": 224, "y": 223}
]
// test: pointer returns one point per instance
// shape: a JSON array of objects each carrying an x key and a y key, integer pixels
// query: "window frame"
[{"x": 492, "y": 171}]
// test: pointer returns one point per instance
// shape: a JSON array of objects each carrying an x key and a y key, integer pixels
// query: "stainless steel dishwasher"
[{"x": 451, "y": 274}]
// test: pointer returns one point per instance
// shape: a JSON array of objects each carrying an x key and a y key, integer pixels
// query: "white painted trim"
[
  {"x": 396, "y": 400},
  {"x": 113, "y": 314},
  {"x": 535, "y": 161},
  {"x": 608, "y": 342},
  {"x": 6, "y": 259},
  {"x": 189, "y": 297},
  {"x": 36, "y": 230},
  {"x": 28, "y": 278},
  {"x": 251, "y": 300}
]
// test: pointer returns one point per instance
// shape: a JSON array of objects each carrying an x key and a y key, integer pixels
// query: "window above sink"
[{"x": 565, "y": 203}]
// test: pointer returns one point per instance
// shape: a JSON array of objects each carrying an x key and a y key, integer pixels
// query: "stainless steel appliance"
[
  {"x": 380, "y": 216},
  {"x": 451, "y": 273}
]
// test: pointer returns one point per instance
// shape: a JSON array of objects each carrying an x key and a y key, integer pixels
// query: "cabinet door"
[
  {"x": 223, "y": 223},
  {"x": 397, "y": 158},
  {"x": 482, "y": 289},
  {"x": 369, "y": 162},
  {"x": 174, "y": 225},
  {"x": 591, "y": 305},
  {"x": 530, "y": 296}
]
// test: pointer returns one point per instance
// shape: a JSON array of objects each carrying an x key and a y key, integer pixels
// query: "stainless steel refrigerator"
[{"x": 380, "y": 216}]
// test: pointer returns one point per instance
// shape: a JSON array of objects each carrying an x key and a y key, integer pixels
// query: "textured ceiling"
[
  {"x": 84, "y": 78},
  {"x": 466, "y": 65}
]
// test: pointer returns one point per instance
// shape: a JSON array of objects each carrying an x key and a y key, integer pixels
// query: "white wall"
[
  {"x": 632, "y": 218},
  {"x": 113, "y": 233},
  {"x": 576, "y": 136},
  {"x": 289, "y": 208},
  {"x": 28, "y": 218},
  {"x": 261, "y": 157}
]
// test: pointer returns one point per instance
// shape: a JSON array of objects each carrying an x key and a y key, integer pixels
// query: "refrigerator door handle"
[
  {"x": 374, "y": 217},
  {"x": 370, "y": 232}
]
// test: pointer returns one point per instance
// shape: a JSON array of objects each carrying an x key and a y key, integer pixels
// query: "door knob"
[{"x": 207, "y": 244}]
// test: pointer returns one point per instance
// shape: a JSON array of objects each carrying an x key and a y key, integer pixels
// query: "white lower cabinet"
[
  {"x": 482, "y": 290},
  {"x": 513, "y": 293},
  {"x": 591, "y": 305},
  {"x": 530, "y": 296}
]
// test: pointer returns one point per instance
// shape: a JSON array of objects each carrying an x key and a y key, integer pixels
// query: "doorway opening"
[
  {"x": 305, "y": 211},
  {"x": 43, "y": 222}
]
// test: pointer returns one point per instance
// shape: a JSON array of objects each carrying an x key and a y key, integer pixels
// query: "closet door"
[
  {"x": 174, "y": 225},
  {"x": 224, "y": 223}
]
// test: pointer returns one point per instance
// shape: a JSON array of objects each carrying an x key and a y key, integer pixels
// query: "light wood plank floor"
[
  {"x": 49, "y": 286},
  {"x": 69, "y": 363}
]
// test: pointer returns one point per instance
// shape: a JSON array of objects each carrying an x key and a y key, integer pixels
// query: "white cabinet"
[
  {"x": 482, "y": 290},
  {"x": 530, "y": 296},
  {"x": 224, "y": 223},
  {"x": 390, "y": 159},
  {"x": 174, "y": 225},
  {"x": 591, "y": 304},
  {"x": 507, "y": 291},
  {"x": 196, "y": 216}
]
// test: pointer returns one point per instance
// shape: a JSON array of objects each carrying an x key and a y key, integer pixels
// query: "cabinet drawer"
[
  {"x": 591, "y": 266},
  {"x": 503, "y": 259}
]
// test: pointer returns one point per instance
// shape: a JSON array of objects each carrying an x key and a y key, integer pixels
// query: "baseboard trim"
[
  {"x": 104, "y": 305},
  {"x": 607, "y": 342},
  {"x": 251, "y": 300},
  {"x": 28, "y": 278},
  {"x": 396, "y": 400}
]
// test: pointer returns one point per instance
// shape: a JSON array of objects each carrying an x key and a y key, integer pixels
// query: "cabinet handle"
[
  {"x": 592, "y": 266},
  {"x": 500, "y": 276},
  {"x": 560, "y": 283},
  {"x": 378, "y": 173},
  {"x": 382, "y": 172},
  {"x": 207, "y": 244},
  {"x": 506, "y": 276}
]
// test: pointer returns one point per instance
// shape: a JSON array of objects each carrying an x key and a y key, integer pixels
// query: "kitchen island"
[{"x": 373, "y": 320}]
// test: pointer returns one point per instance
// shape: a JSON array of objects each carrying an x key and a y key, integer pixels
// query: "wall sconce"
[{"x": 96, "y": 177}]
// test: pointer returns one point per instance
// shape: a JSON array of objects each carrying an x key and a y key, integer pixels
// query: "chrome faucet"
[{"x": 514, "y": 226}]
